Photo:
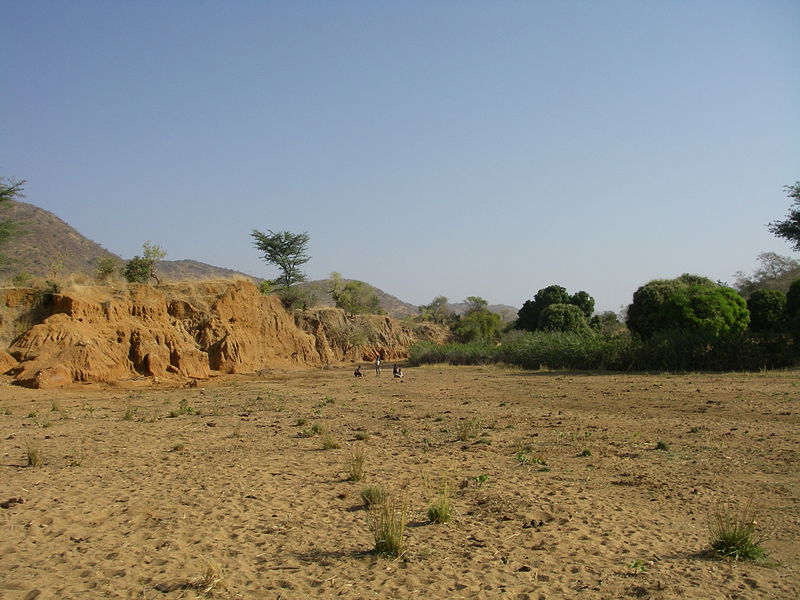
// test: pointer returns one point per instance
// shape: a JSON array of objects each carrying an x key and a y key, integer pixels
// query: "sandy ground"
[{"x": 558, "y": 488}]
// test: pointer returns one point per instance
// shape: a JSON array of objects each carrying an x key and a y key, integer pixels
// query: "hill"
[{"x": 47, "y": 246}]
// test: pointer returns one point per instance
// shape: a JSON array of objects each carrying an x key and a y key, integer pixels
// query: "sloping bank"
[{"x": 194, "y": 330}]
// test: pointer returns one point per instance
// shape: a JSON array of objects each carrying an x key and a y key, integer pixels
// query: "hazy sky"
[{"x": 440, "y": 147}]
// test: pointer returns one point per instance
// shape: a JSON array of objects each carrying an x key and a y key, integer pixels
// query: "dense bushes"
[
  {"x": 676, "y": 350},
  {"x": 683, "y": 324}
]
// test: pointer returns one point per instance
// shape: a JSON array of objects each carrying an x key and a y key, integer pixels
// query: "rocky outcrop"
[{"x": 97, "y": 334}]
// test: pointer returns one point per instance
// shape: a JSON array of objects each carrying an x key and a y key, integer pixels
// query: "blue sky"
[{"x": 445, "y": 147}]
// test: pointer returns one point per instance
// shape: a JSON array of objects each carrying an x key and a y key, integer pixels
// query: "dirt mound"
[{"x": 98, "y": 334}]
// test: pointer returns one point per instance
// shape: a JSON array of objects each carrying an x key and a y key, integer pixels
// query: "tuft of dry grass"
[
  {"x": 33, "y": 455},
  {"x": 734, "y": 533},
  {"x": 210, "y": 580},
  {"x": 440, "y": 509},
  {"x": 374, "y": 495},
  {"x": 355, "y": 466},
  {"x": 329, "y": 442},
  {"x": 387, "y": 522},
  {"x": 469, "y": 429}
]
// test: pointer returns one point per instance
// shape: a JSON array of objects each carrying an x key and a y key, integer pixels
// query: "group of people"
[{"x": 396, "y": 371}]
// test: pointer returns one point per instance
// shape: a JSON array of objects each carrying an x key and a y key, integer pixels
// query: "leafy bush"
[{"x": 671, "y": 350}]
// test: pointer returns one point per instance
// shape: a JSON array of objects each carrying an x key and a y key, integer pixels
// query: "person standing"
[{"x": 378, "y": 365}]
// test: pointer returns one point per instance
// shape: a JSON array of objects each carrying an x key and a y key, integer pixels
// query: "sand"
[{"x": 559, "y": 489}]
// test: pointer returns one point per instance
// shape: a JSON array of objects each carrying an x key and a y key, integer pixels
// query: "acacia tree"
[
  {"x": 9, "y": 192},
  {"x": 789, "y": 228},
  {"x": 285, "y": 250}
]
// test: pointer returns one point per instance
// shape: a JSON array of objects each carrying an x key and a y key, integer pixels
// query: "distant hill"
[
  {"x": 48, "y": 246},
  {"x": 193, "y": 269}
]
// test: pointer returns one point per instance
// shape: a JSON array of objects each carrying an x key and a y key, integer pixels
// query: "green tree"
[
  {"x": 767, "y": 308},
  {"x": 354, "y": 297},
  {"x": 475, "y": 304},
  {"x": 285, "y": 250},
  {"x": 140, "y": 269},
  {"x": 712, "y": 311},
  {"x": 583, "y": 301},
  {"x": 529, "y": 316},
  {"x": 563, "y": 317},
  {"x": 789, "y": 228},
  {"x": 9, "y": 191},
  {"x": 478, "y": 325},
  {"x": 645, "y": 315},
  {"x": 437, "y": 311}
]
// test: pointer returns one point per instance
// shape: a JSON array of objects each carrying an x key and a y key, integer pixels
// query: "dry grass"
[
  {"x": 387, "y": 522},
  {"x": 33, "y": 455},
  {"x": 355, "y": 466},
  {"x": 210, "y": 580}
]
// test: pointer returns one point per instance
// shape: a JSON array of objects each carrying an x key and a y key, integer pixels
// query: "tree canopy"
[
  {"x": 529, "y": 316},
  {"x": 690, "y": 303},
  {"x": 789, "y": 228},
  {"x": 285, "y": 250}
]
